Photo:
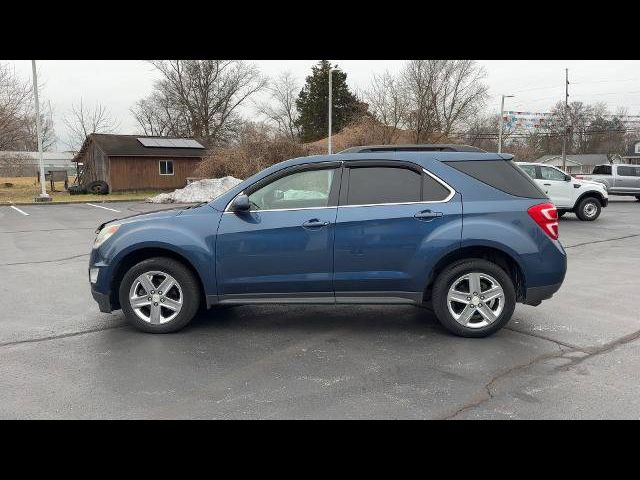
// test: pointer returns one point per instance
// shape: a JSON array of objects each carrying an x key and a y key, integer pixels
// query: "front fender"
[{"x": 188, "y": 237}]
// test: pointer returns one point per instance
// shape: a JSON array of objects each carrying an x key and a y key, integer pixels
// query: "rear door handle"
[
  {"x": 314, "y": 223},
  {"x": 427, "y": 215}
]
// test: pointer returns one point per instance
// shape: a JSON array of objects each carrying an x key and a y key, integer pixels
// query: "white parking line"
[
  {"x": 21, "y": 211},
  {"x": 106, "y": 208}
]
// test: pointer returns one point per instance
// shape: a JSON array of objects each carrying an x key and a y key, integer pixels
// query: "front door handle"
[
  {"x": 314, "y": 223},
  {"x": 427, "y": 215},
  {"x": 547, "y": 184}
]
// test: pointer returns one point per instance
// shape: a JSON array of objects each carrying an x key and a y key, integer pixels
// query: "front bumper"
[
  {"x": 535, "y": 295},
  {"x": 103, "y": 300}
]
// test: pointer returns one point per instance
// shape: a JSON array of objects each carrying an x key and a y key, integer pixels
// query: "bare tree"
[
  {"x": 198, "y": 98},
  {"x": 442, "y": 95},
  {"x": 281, "y": 109},
  {"x": 388, "y": 103},
  {"x": 82, "y": 121}
]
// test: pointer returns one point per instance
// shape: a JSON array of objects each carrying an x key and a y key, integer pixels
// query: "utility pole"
[
  {"x": 566, "y": 126},
  {"x": 502, "y": 121},
  {"x": 330, "y": 105},
  {"x": 43, "y": 197}
]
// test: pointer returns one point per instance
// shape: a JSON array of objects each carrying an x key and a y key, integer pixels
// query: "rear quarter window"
[{"x": 503, "y": 175}]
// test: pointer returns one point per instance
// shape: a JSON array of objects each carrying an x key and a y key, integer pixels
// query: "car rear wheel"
[
  {"x": 473, "y": 298},
  {"x": 159, "y": 295},
  {"x": 589, "y": 209}
]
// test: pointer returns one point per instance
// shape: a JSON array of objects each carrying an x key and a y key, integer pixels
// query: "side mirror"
[
  {"x": 240, "y": 204},
  {"x": 567, "y": 178}
]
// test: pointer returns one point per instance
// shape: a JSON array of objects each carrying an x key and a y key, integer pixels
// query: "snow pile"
[{"x": 199, "y": 191}]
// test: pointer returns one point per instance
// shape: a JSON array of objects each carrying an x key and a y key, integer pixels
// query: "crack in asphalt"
[
  {"x": 589, "y": 352},
  {"x": 549, "y": 339},
  {"x": 62, "y": 335},
  {"x": 44, "y": 261},
  {"x": 603, "y": 241}
]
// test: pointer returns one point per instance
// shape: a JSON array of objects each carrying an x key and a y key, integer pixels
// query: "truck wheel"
[
  {"x": 473, "y": 298},
  {"x": 159, "y": 295},
  {"x": 98, "y": 187},
  {"x": 588, "y": 209}
]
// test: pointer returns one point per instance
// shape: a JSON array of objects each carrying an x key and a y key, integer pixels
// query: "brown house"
[{"x": 133, "y": 162}]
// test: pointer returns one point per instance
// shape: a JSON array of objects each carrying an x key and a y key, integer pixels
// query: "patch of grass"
[{"x": 25, "y": 189}]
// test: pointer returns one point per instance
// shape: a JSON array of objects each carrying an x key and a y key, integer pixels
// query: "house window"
[
  {"x": 637, "y": 147},
  {"x": 166, "y": 167}
]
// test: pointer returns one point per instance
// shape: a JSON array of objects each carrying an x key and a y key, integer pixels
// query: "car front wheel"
[
  {"x": 473, "y": 298},
  {"x": 589, "y": 209},
  {"x": 159, "y": 295}
]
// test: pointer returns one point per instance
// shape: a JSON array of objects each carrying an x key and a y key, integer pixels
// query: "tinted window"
[
  {"x": 501, "y": 174},
  {"x": 548, "y": 173},
  {"x": 432, "y": 190},
  {"x": 602, "y": 170},
  {"x": 626, "y": 171},
  {"x": 305, "y": 189},
  {"x": 371, "y": 185},
  {"x": 529, "y": 170}
]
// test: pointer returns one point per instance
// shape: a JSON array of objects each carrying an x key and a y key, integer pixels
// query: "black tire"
[
  {"x": 453, "y": 272},
  {"x": 561, "y": 213},
  {"x": 588, "y": 209},
  {"x": 98, "y": 187},
  {"x": 638, "y": 198},
  {"x": 189, "y": 286}
]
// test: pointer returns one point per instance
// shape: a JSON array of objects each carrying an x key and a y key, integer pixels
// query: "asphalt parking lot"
[{"x": 575, "y": 356}]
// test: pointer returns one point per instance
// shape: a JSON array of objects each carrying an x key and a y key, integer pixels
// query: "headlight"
[{"x": 105, "y": 234}]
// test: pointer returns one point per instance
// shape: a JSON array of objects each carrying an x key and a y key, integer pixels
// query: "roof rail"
[{"x": 436, "y": 147}]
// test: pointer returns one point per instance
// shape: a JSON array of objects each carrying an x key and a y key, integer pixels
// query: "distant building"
[
  {"x": 137, "y": 162},
  {"x": 633, "y": 154},
  {"x": 27, "y": 164},
  {"x": 580, "y": 163}
]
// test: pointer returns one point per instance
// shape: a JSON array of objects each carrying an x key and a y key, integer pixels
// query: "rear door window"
[
  {"x": 374, "y": 185},
  {"x": 529, "y": 170},
  {"x": 504, "y": 175}
]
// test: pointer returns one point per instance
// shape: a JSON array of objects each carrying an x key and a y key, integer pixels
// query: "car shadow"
[{"x": 318, "y": 318}]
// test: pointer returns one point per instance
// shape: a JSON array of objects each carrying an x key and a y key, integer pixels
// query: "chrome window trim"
[{"x": 452, "y": 192}]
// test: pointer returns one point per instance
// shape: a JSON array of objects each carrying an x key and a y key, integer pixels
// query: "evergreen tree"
[{"x": 313, "y": 103}]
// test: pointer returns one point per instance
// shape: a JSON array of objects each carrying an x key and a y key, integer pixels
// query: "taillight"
[
  {"x": 579, "y": 177},
  {"x": 546, "y": 216}
]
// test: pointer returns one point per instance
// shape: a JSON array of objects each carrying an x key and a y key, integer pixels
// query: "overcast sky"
[{"x": 537, "y": 84}]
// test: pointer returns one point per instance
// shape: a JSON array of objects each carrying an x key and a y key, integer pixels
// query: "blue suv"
[{"x": 463, "y": 232}]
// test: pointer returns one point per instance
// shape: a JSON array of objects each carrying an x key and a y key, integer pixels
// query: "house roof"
[
  {"x": 582, "y": 159},
  {"x": 130, "y": 146}
]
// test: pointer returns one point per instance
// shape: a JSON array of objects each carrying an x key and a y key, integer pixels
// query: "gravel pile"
[{"x": 199, "y": 191}]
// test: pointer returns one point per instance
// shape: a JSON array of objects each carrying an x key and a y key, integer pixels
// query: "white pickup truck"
[
  {"x": 618, "y": 179},
  {"x": 583, "y": 197}
]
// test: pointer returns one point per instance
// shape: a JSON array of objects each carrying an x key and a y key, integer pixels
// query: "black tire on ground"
[
  {"x": 588, "y": 209},
  {"x": 638, "y": 197},
  {"x": 561, "y": 213},
  {"x": 456, "y": 270},
  {"x": 188, "y": 284},
  {"x": 98, "y": 187}
]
